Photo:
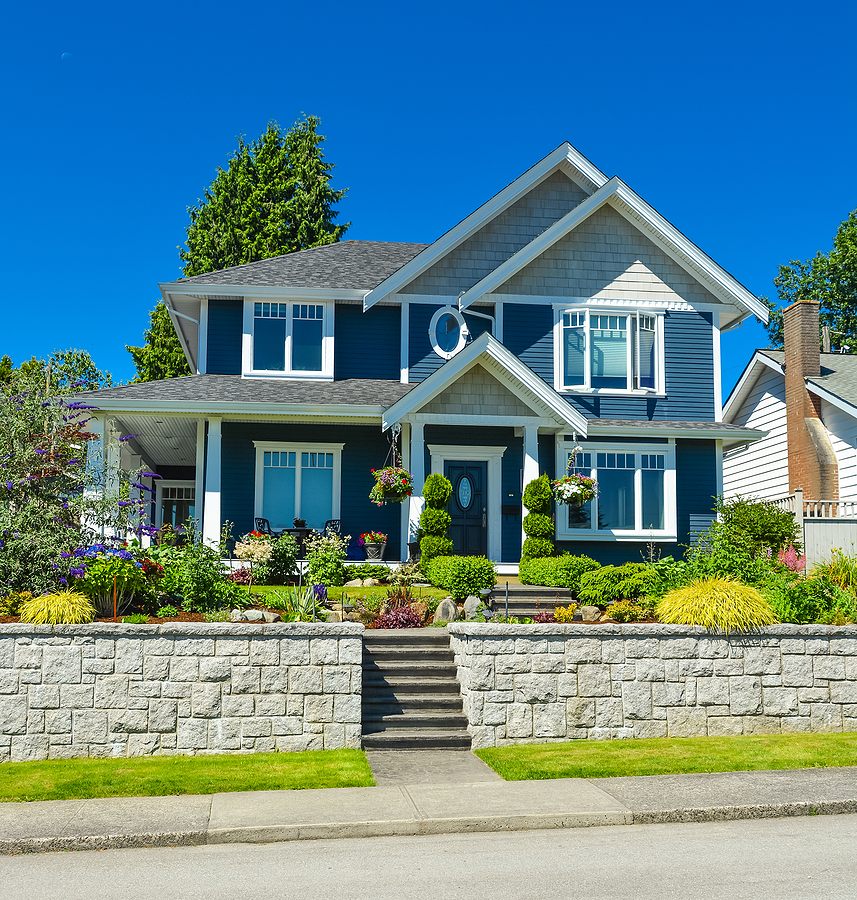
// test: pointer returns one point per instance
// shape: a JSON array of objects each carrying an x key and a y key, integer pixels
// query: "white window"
[
  {"x": 297, "y": 481},
  {"x": 448, "y": 332},
  {"x": 636, "y": 491},
  {"x": 608, "y": 350},
  {"x": 288, "y": 338},
  {"x": 175, "y": 502}
]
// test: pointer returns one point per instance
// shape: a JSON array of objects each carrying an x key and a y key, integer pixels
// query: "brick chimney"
[{"x": 812, "y": 460}]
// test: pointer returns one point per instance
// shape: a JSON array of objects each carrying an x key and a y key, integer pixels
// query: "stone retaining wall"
[
  {"x": 527, "y": 683},
  {"x": 134, "y": 690}
]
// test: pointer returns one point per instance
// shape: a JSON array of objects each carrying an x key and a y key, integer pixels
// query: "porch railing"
[{"x": 817, "y": 509}]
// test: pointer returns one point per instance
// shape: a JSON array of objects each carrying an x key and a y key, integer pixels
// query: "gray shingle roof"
[
  {"x": 838, "y": 373},
  {"x": 359, "y": 265},
  {"x": 703, "y": 428},
  {"x": 235, "y": 389}
]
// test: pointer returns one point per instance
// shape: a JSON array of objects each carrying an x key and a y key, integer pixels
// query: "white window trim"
[
  {"x": 298, "y": 447},
  {"x": 670, "y": 530},
  {"x": 159, "y": 498},
  {"x": 463, "y": 331},
  {"x": 326, "y": 372},
  {"x": 590, "y": 307}
]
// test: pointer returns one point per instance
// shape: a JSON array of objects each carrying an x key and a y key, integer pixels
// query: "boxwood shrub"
[
  {"x": 558, "y": 571},
  {"x": 630, "y": 581},
  {"x": 461, "y": 575}
]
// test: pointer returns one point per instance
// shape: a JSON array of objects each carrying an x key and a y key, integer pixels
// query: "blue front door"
[{"x": 468, "y": 507}]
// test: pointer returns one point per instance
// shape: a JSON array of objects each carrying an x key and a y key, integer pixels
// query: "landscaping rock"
[
  {"x": 370, "y": 582},
  {"x": 420, "y": 608},
  {"x": 355, "y": 582},
  {"x": 471, "y": 604},
  {"x": 446, "y": 611},
  {"x": 590, "y": 613},
  {"x": 253, "y": 615},
  {"x": 271, "y": 616},
  {"x": 237, "y": 615},
  {"x": 333, "y": 616}
]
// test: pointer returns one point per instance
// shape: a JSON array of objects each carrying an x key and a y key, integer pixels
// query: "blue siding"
[
  {"x": 422, "y": 360},
  {"x": 367, "y": 344},
  {"x": 225, "y": 324},
  {"x": 528, "y": 333},
  {"x": 365, "y": 448}
]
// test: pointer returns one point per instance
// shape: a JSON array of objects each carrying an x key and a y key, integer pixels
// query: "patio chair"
[
  {"x": 332, "y": 526},
  {"x": 264, "y": 526}
]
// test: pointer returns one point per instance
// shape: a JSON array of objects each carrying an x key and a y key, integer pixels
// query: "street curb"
[{"x": 410, "y": 827}]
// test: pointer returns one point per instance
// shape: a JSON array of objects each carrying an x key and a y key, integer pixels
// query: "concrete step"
[
  {"x": 399, "y": 652},
  {"x": 411, "y": 721},
  {"x": 396, "y": 704},
  {"x": 411, "y": 667},
  {"x": 417, "y": 739},
  {"x": 385, "y": 636},
  {"x": 409, "y": 684}
]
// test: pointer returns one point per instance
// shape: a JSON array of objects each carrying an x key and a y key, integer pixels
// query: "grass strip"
[
  {"x": 157, "y": 776},
  {"x": 671, "y": 756}
]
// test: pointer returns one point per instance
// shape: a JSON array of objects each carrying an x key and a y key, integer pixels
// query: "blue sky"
[{"x": 736, "y": 120}]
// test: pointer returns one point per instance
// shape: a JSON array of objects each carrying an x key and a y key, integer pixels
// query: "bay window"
[
  {"x": 289, "y": 338},
  {"x": 608, "y": 350},
  {"x": 636, "y": 491}
]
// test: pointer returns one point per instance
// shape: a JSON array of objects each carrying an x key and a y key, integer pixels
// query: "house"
[
  {"x": 806, "y": 401},
  {"x": 565, "y": 312}
]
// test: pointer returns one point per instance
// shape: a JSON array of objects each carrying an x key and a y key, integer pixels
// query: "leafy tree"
[
  {"x": 274, "y": 197},
  {"x": 831, "y": 279},
  {"x": 70, "y": 371},
  {"x": 161, "y": 355}
]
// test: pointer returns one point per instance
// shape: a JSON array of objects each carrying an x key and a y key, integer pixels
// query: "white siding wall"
[
  {"x": 762, "y": 469},
  {"x": 842, "y": 429}
]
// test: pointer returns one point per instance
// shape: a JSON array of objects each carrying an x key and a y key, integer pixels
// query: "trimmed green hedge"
[
  {"x": 628, "y": 582},
  {"x": 461, "y": 575},
  {"x": 558, "y": 571}
]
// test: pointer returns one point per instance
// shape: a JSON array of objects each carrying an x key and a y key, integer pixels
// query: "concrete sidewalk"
[{"x": 265, "y": 816}]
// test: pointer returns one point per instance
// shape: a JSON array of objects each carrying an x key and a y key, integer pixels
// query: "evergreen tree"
[
  {"x": 274, "y": 197},
  {"x": 161, "y": 355},
  {"x": 831, "y": 279}
]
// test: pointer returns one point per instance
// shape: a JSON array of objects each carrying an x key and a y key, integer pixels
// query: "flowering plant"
[
  {"x": 256, "y": 536},
  {"x": 574, "y": 488},
  {"x": 372, "y": 537},
  {"x": 392, "y": 484}
]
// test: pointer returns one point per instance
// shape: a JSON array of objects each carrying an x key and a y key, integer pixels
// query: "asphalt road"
[{"x": 806, "y": 858}]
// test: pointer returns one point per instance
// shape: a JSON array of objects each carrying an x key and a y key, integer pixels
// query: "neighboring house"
[
  {"x": 806, "y": 401},
  {"x": 564, "y": 311}
]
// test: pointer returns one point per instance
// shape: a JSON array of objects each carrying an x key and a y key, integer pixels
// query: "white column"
[
  {"x": 404, "y": 519},
  {"x": 199, "y": 482},
  {"x": 531, "y": 459},
  {"x": 211, "y": 508},
  {"x": 111, "y": 468},
  {"x": 418, "y": 470}
]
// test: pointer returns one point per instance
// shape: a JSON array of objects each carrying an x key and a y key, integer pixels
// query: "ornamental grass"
[
  {"x": 61, "y": 608},
  {"x": 719, "y": 604}
]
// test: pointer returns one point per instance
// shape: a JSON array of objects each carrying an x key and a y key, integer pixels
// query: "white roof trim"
[
  {"x": 189, "y": 350},
  {"x": 231, "y": 408},
  {"x": 180, "y": 289},
  {"x": 831, "y": 398},
  {"x": 486, "y": 346},
  {"x": 563, "y": 157},
  {"x": 670, "y": 239},
  {"x": 745, "y": 383},
  {"x": 674, "y": 431}
]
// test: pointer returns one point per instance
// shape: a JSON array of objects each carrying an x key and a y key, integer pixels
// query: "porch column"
[
  {"x": 418, "y": 470},
  {"x": 405, "y": 514},
  {"x": 94, "y": 484},
  {"x": 199, "y": 475},
  {"x": 211, "y": 508},
  {"x": 531, "y": 460}
]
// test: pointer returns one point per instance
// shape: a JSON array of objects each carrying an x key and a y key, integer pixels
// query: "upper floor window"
[
  {"x": 609, "y": 350},
  {"x": 290, "y": 338}
]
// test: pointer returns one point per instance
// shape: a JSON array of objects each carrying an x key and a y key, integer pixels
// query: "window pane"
[
  {"x": 653, "y": 498},
  {"x": 316, "y": 496},
  {"x": 574, "y": 348},
  {"x": 448, "y": 331},
  {"x": 580, "y": 516},
  {"x": 616, "y": 498},
  {"x": 646, "y": 359},
  {"x": 306, "y": 345},
  {"x": 609, "y": 355},
  {"x": 278, "y": 497},
  {"x": 269, "y": 344}
]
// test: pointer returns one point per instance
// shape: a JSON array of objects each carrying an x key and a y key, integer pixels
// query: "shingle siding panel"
[
  {"x": 366, "y": 344},
  {"x": 225, "y": 324}
]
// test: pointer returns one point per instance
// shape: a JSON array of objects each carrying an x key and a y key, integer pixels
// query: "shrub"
[
  {"x": 761, "y": 526},
  {"x": 409, "y": 573},
  {"x": 462, "y": 575},
  {"x": 432, "y": 546},
  {"x": 401, "y": 617},
  {"x": 719, "y": 604},
  {"x": 325, "y": 558},
  {"x": 558, "y": 571},
  {"x": 282, "y": 564},
  {"x": 167, "y": 612},
  {"x": 437, "y": 490},
  {"x": 626, "y": 611},
  {"x": 110, "y": 581},
  {"x": 297, "y": 605},
  {"x": 10, "y": 605},
  {"x": 544, "y": 617},
  {"x": 434, "y": 519},
  {"x": 240, "y": 576},
  {"x": 565, "y": 613},
  {"x": 536, "y": 548},
  {"x": 366, "y": 570},
  {"x": 537, "y": 495},
  {"x": 61, "y": 608},
  {"x": 627, "y": 582},
  {"x": 804, "y": 601},
  {"x": 135, "y": 619},
  {"x": 538, "y": 525},
  {"x": 197, "y": 573},
  {"x": 841, "y": 570}
]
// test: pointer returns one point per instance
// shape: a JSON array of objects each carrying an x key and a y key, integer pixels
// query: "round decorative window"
[
  {"x": 465, "y": 492},
  {"x": 448, "y": 332}
]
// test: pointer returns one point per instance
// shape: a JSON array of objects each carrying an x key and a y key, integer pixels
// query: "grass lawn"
[
  {"x": 154, "y": 776},
  {"x": 669, "y": 756}
]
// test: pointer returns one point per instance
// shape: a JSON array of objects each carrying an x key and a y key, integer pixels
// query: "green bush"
[
  {"x": 282, "y": 564},
  {"x": 814, "y": 600},
  {"x": 538, "y": 525},
  {"x": 607, "y": 583},
  {"x": 558, "y": 571},
  {"x": 197, "y": 573},
  {"x": 719, "y": 604},
  {"x": 61, "y": 608},
  {"x": 462, "y": 575},
  {"x": 364, "y": 571},
  {"x": 759, "y": 525},
  {"x": 437, "y": 491},
  {"x": 538, "y": 495},
  {"x": 10, "y": 605},
  {"x": 435, "y": 521},
  {"x": 535, "y": 548},
  {"x": 325, "y": 559},
  {"x": 107, "y": 574},
  {"x": 432, "y": 546},
  {"x": 626, "y": 611}
]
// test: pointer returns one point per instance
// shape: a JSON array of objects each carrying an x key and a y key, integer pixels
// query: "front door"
[{"x": 468, "y": 507}]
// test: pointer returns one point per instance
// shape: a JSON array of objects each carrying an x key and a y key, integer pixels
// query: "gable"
[
  {"x": 606, "y": 257},
  {"x": 477, "y": 392},
  {"x": 500, "y": 238}
]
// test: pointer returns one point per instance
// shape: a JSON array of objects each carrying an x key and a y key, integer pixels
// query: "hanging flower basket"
[
  {"x": 575, "y": 490},
  {"x": 393, "y": 484}
]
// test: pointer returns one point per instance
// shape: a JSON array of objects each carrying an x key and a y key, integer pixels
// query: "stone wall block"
[
  {"x": 649, "y": 670},
  {"x": 826, "y": 717},
  {"x": 519, "y": 720},
  {"x": 184, "y": 668},
  {"x": 129, "y": 656},
  {"x": 58, "y": 721},
  {"x": 829, "y": 668},
  {"x": 790, "y": 645},
  {"x": 282, "y": 725},
  {"x": 797, "y": 671},
  {"x": 28, "y": 656},
  {"x": 95, "y": 666},
  {"x": 323, "y": 651},
  {"x": 497, "y": 646},
  {"x": 159, "y": 646},
  {"x": 843, "y": 646},
  {"x": 712, "y": 691},
  {"x": 650, "y": 729},
  {"x": 89, "y": 726},
  {"x": 580, "y": 713},
  {"x": 29, "y": 747},
  {"x": 274, "y": 679},
  {"x": 245, "y": 679},
  {"x": 637, "y": 700},
  {"x": 305, "y": 680},
  {"x": 233, "y": 705},
  {"x": 318, "y": 708},
  {"x": 481, "y": 673},
  {"x": 336, "y": 679},
  {"x": 143, "y": 744},
  {"x": 779, "y": 701},
  {"x": 725, "y": 726},
  {"x": 642, "y": 648},
  {"x": 255, "y": 728},
  {"x": 44, "y": 696},
  {"x": 713, "y": 648},
  {"x": 817, "y": 646},
  {"x": 509, "y": 664},
  {"x": 215, "y": 668},
  {"x": 493, "y": 714},
  {"x": 7, "y": 652},
  {"x": 566, "y": 686},
  {"x": 61, "y": 665},
  {"x": 232, "y": 647},
  {"x": 535, "y": 688},
  {"x": 192, "y": 734},
  {"x": 128, "y": 721},
  {"x": 671, "y": 693},
  {"x": 75, "y": 696},
  {"x": 270, "y": 705},
  {"x": 162, "y": 715},
  {"x": 583, "y": 650},
  {"x": 679, "y": 648},
  {"x": 762, "y": 725},
  {"x": 156, "y": 668},
  {"x": 687, "y": 722},
  {"x": 13, "y": 715},
  {"x": 206, "y": 701},
  {"x": 547, "y": 662},
  {"x": 531, "y": 646},
  {"x": 549, "y": 720},
  {"x": 334, "y": 736},
  {"x": 347, "y": 708},
  {"x": 265, "y": 652},
  {"x": 745, "y": 695},
  {"x": 609, "y": 712},
  {"x": 840, "y": 692},
  {"x": 796, "y": 725},
  {"x": 762, "y": 661},
  {"x": 695, "y": 668},
  {"x": 9, "y": 682},
  {"x": 612, "y": 651},
  {"x": 295, "y": 652},
  {"x": 111, "y": 692},
  {"x": 593, "y": 681},
  {"x": 194, "y": 647},
  {"x": 351, "y": 651}
]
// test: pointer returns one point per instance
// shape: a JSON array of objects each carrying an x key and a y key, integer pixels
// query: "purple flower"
[
  {"x": 128, "y": 437},
  {"x": 9, "y": 485},
  {"x": 149, "y": 474},
  {"x": 63, "y": 581}
]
